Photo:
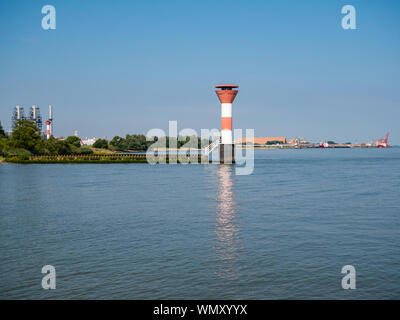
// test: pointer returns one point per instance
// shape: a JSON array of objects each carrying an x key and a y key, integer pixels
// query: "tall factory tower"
[
  {"x": 49, "y": 124},
  {"x": 226, "y": 96},
  {"x": 36, "y": 117},
  {"x": 18, "y": 115}
]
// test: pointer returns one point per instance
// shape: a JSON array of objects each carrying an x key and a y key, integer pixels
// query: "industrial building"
[
  {"x": 262, "y": 140},
  {"x": 35, "y": 117}
]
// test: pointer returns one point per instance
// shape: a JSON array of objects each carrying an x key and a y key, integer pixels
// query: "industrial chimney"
[
  {"x": 18, "y": 115},
  {"x": 49, "y": 123},
  {"x": 35, "y": 117}
]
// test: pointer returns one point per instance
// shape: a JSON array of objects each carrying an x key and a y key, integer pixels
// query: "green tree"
[
  {"x": 73, "y": 140},
  {"x": 189, "y": 141},
  {"x": 80, "y": 150},
  {"x": 55, "y": 146},
  {"x": 2, "y": 132},
  {"x": 268, "y": 143},
  {"x": 119, "y": 143},
  {"x": 85, "y": 150},
  {"x": 3, "y": 146},
  {"x": 27, "y": 136},
  {"x": 136, "y": 142},
  {"x": 101, "y": 143}
]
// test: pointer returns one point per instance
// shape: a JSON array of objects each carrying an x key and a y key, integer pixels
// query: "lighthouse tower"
[{"x": 226, "y": 96}]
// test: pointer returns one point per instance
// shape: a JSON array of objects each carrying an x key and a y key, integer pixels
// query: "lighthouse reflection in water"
[{"x": 227, "y": 230}]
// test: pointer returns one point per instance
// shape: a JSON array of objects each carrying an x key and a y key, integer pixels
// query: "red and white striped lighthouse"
[{"x": 226, "y": 96}]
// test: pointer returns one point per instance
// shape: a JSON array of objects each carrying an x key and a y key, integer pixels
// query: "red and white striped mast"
[
  {"x": 49, "y": 123},
  {"x": 226, "y": 96},
  {"x": 48, "y": 129}
]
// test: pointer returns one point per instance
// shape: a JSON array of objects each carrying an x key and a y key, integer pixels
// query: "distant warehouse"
[{"x": 263, "y": 140}]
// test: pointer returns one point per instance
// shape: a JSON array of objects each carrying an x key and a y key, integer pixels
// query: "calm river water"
[{"x": 136, "y": 231}]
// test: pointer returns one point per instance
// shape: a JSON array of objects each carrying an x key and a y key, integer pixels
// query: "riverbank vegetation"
[
  {"x": 26, "y": 140},
  {"x": 26, "y": 145},
  {"x": 138, "y": 142},
  {"x": 107, "y": 158}
]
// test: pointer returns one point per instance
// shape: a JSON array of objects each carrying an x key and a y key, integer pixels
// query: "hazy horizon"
[{"x": 130, "y": 66}]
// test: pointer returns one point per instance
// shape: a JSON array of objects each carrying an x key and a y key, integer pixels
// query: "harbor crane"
[{"x": 383, "y": 143}]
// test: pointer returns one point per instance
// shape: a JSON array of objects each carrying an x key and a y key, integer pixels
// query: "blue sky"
[{"x": 117, "y": 67}]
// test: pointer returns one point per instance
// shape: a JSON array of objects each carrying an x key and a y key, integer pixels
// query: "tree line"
[
  {"x": 139, "y": 142},
  {"x": 26, "y": 140}
]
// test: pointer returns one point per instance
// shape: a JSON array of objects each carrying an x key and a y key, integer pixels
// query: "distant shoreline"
[
  {"x": 138, "y": 156},
  {"x": 100, "y": 158}
]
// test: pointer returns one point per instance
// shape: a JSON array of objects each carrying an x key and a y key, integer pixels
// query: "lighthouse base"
[{"x": 227, "y": 153}]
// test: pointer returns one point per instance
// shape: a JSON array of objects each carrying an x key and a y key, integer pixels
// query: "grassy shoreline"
[{"x": 97, "y": 158}]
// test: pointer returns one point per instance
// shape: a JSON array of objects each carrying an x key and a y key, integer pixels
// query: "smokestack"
[
  {"x": 49, "y": 123},
  {"x": 35, "y": 117},
  {"x": 17, "y": 115},
  {"x": 51, "y": 119},
  {"x": 226, "y": 96},
  {"x": 34, "y": 112},
  {"x": 48, "y": 129},
  {"x": 19, "y": 112}
]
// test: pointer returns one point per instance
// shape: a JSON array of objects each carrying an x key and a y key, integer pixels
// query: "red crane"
[{"x": 383, "y": 143}]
